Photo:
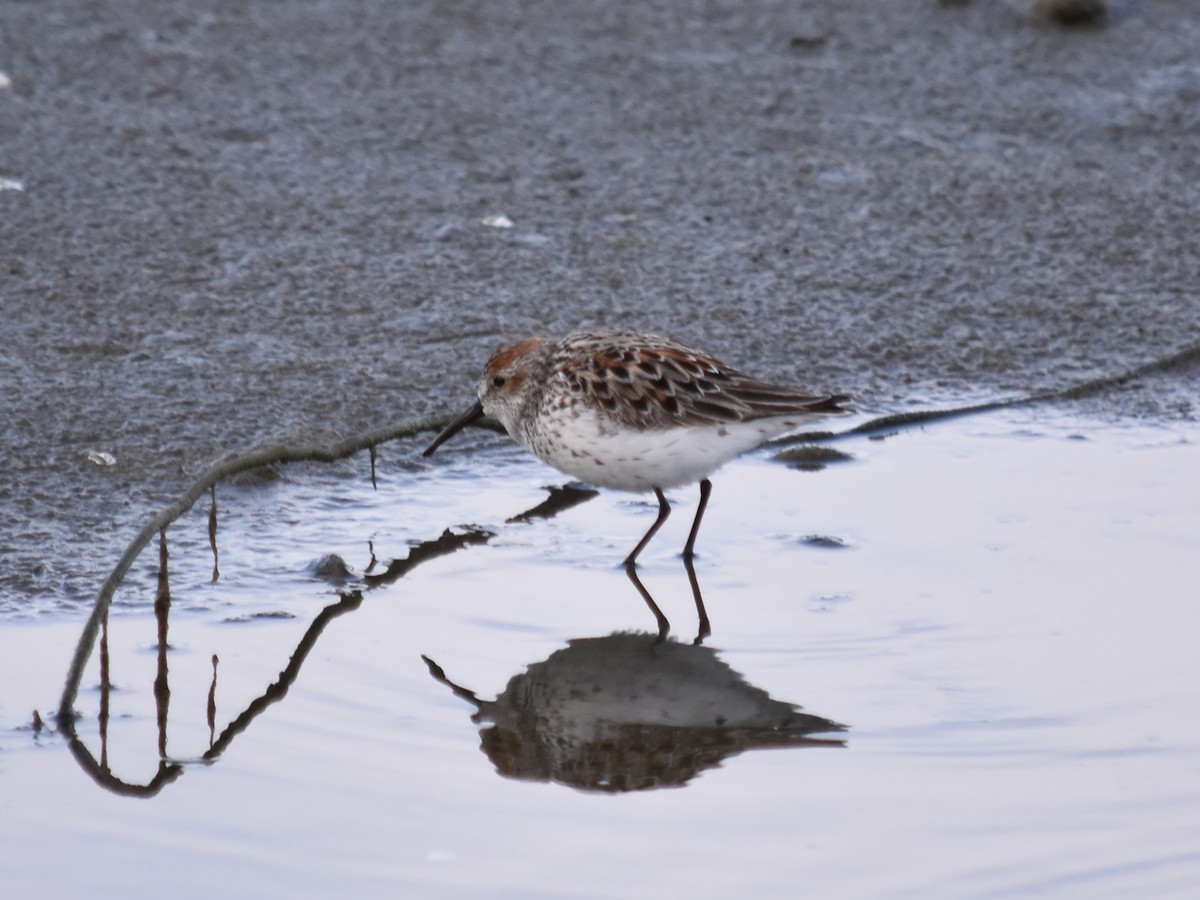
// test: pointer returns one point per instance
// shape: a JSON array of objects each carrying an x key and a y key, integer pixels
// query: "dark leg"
[
  {"x": 663, "y": 625},
  {"x": 705, "y": 629},
  {"x": 664, "y": 510},
  {"x": 705, "y": 490}
]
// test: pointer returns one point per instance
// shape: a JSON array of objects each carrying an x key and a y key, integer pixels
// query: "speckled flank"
[{"x": 634, "y": 411}]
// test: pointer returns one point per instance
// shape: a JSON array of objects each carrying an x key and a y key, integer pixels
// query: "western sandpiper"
[{"x": 636, "y": 412}]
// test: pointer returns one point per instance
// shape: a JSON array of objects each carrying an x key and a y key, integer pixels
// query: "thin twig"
[{"x": 226, "y": 468}]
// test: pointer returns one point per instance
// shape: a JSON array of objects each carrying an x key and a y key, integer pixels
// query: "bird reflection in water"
[
  {"x": 631, "y": 712},
  {"x": 626, "y": 712},
  {"x": 664, "y": 626}
]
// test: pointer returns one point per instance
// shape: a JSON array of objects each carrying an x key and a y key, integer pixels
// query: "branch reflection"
[
  {"x": 169, "y": 769},
  {"x": 631, "y": 712}
]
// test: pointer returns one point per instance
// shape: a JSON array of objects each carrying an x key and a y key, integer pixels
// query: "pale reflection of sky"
[{"x": 1009, "y": 632}]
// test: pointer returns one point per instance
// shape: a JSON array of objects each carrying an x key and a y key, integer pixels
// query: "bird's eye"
[{"x": 499, "y": 381}]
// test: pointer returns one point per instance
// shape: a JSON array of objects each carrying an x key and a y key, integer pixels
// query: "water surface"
[{"x": 1000, "y": 612}]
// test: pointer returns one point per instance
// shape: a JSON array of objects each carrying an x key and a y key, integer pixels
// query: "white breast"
[{"x": 596, "y": 450}]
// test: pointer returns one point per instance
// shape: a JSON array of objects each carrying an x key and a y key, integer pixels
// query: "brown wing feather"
[{"x": 652, "y": 380}]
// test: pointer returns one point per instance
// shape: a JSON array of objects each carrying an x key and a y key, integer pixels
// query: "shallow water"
[{"x": 1000, "y": 610}]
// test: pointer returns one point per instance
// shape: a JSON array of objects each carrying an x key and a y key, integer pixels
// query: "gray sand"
[{"x": 238, "y": 223}]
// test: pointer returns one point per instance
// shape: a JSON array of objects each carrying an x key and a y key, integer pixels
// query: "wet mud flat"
[
  {"x": 982, "y": 694},
  {"x": 223, "y": 227}
]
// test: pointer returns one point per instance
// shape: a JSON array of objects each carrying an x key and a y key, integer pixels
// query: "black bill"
[{"x": 475, "y": 412}]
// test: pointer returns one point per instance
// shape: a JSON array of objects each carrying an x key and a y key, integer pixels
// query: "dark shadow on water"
[
  {"x": 561, "y": 499},
  {"x": 631, "y": 712}
]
